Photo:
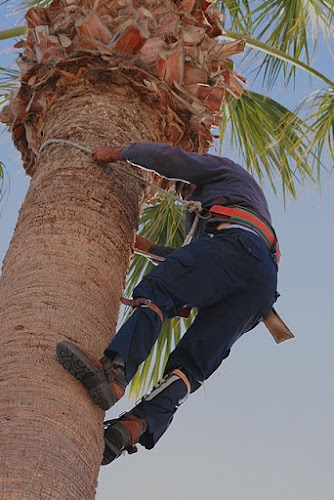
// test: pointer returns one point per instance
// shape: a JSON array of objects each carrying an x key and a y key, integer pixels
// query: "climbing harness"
[
  {"x": 248, "y": 218},
  {"x": 191, "y": 205}
]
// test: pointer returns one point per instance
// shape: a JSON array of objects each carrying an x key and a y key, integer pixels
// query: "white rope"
[
  {"x": 66, "y": 143},
  {"x": 191, "y": 206},
  {"x": 191, "y": 233}
]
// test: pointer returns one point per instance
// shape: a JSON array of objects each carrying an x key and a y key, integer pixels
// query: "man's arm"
[
  {"x": 168, "y": 161},
  {"x": 145, "y": 246}
]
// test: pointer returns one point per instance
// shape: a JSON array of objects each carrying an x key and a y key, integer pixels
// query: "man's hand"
[
  {"x": 106, "y": 154},
  {"x": 142, "y": 244}
]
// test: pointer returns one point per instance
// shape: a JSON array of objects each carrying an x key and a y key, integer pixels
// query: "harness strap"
[
  {"x": 242, "y": 215},
  {"x": 165, "y": 382},
  {"x": 183, "y": 377},
  {"x": 142, "y": 302}
]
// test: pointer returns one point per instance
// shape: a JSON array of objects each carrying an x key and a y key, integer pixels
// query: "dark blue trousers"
[{"x": 231, "y": 278}]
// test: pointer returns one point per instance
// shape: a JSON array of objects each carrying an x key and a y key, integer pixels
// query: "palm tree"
[
  {"x": 93, "y": 73},
  {"x": 113, "y": 72}
]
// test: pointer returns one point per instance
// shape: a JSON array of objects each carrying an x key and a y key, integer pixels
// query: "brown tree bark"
[{"x": 62, "y": 278}]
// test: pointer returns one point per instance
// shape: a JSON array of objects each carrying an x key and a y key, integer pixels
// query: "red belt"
[{"x": 239, "y": 215}]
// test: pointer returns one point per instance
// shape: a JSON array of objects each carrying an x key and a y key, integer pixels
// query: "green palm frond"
[
  {"x": 20, "y": 10},
  {"x": 36, "y": 3},
  {"x": 292, "y": 20},
  {"x": 8, "y": 81},
  {"x": 293, "y": 13},
  {"x": 25, "y": 5},
  {"x": 320, "y": 122},
  {"x": 270, "y": 138},
  {"x": 13, "y": 32},
  {"x": 162, "y": 223},
  {"x": 238, "y": 13},
  {"x": 273, "y": 54},
  {"x": 290, "y": 26}
]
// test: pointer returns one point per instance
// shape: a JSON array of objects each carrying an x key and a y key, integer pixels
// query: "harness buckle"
[{"x": 148, "y": 303}]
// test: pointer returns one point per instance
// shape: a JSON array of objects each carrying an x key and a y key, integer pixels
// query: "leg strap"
[
  {"x": 183, "y": 377},
  {"x": 164, "y": 383},
  {"x": 141, "y": 302}
]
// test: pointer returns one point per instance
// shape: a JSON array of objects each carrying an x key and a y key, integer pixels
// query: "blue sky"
[{"x": 262, "y": 427}]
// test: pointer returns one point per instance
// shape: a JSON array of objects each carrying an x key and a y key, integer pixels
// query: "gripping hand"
[{"x": 107, "y": 154}]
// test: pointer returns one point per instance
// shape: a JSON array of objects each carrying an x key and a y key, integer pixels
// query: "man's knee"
[{"x": 156, "y": 291}]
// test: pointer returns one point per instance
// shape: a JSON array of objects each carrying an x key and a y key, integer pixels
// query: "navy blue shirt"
[{"x": 219, "y": 181}]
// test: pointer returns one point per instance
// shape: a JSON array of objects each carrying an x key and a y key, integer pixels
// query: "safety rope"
[{"x": 192, "y": 205}]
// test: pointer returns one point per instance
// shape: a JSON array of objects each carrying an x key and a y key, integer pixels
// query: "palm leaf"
[
  {"x": 8, "y": 81},
  {"x": 291, "y": 20},
  {"x": 273, "y": 53},
  {"x": 25, "y": 5},
  {"x": 320, "y": 122},
  {"x": 289, "y": 26},
  {"x": 36, "y": 3},
  {"x": 238, "y": 15},
  {"x": 270, "y": 138},
  {"x": 13, "y": 32},
  {"x": 319, "y": 14}
]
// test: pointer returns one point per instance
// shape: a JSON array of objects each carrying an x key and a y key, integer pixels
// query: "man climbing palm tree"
[{"x": 229, "y": 272}]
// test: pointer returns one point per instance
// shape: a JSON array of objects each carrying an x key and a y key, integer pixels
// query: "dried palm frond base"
[{"x": 167, "y": 50}]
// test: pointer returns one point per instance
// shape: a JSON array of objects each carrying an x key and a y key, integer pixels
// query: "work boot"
[
  {"x": 104, "y": 379},
  {"x": 122, "y": 434}
]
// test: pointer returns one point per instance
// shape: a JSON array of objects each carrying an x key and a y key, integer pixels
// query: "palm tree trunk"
[{"x": 62, "y": 278}]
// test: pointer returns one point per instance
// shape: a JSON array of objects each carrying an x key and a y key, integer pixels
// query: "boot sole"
[
  {"x": 76, "y": 363},
  {"x": 114, "y": 441},
  {"x": 111, "y": 452}
]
